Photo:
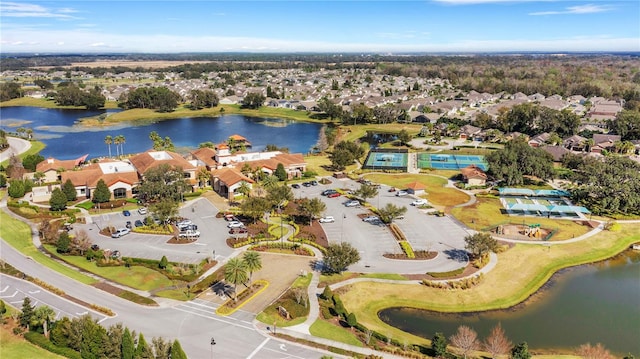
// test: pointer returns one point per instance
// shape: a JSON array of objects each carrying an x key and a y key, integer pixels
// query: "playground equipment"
[{"x": 533, "y": 230}]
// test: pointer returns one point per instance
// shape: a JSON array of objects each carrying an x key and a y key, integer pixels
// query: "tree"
[
  {"x": 439, "y": 345},
  {"x": 340, "y": 159},
  {"x": 163, "y": 182},
  {"x": 101, "y": 194},
  {"x": 366, "y": 191},
  {"x": 252, "y": 262},
  {"x": 26, "y": 313},
  {"x": 277, "y": 195},
  {"x": 312, "y": 208},
  {"x": 37, "y": 176},
  {"x": 161, "y": 347},
  {"x": 204, "y": 177},
  {"x": 43, "y": 316},
  {"x": 465, "y": 339},
  {"x": 29, "y": 162},
  {"x": 480, "y": 243},
  {"x": 108, "y": 140},
  {"x": 176, "y": 351},
  {"x": 235, "y": 272},
  {"x": 280, "y": 172},
  {"x": 143, "y": 350},
  {"x": 339, "y": 257},
  {"x": 164, "y": 262},
  {"x": 244, "y": 188},
  {"x": 404, "y": 137},
  {"x": 160, "y": 143},
  {"x": 63, "y": 244},
  {"x": 16, "y": 189},
  {"x": 3, "y": 308},
  {"x": 69, "y": 190},
  {"x": 520, "y": 351},
  {"x": 390, "y": 212},
  {"x": 626, "y": 124},
  {"x": 516, "y": 160},
  {"x": 3, "y": 181},
  {"x": 352, "y": 321},
  {"x": 253, "y": 100},
  {"x": 165, "y": 209},
  {"x": 58, "y": 200},
  {"x": 598, "y": 351},
  {"x": 113, "y": 345},
  {"x": 497, "y": 343},
  {"x": 127, "y": 345},
  {"x": 120, "y": 140},
  {"x": 255, "y": 207},
  {"x": 60, "y": 332}
]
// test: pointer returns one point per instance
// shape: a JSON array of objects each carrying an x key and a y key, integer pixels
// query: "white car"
[
  {"x": 352, "y": 203},
  {"x": 142, "y": 211},
  {"x": 327, "y": 219},
  {"x": 120, "y": 232},
  {"x": 235, "y": 224},
  {"x": 419, "y": 202},
  {"x": 401, "y": 193},
  {"x": 189, "y": 234},
  {"x": 371, "y": 219}
]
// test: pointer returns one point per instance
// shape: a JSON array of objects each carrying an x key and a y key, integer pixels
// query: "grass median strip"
[
  {"x": 323, "y": 329},
  {"x": 18, "y": 235}
]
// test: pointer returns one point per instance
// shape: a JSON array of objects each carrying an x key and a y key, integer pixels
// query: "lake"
[
  {"x": 66, "y": 139},
  {"x": 597, "y": 303}
]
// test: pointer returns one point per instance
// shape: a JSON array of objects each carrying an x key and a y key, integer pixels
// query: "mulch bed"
[
  {"x": 108, "y": 288},
  {"x": 420, "y": 255},
  {"x": 469, "y": 270}
]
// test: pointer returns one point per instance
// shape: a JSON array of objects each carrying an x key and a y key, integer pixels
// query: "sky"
[{"x": 360, "y": 26}]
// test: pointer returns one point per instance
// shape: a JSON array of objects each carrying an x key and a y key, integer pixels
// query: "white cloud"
[
  {"x": 13, "y": 9},
  {"x": 578, "y": 9}
]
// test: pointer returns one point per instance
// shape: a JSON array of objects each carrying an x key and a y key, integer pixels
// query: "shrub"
[
  {"x": 327, "y": 293},
  {"x": 41, "y": 341},
  {"x": 406, "y": 248},
  {"x": 326, "y": 312}
]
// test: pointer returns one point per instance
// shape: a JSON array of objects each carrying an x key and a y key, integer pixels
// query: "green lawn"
[
  {"x": 136, "y": 277},
  {"x": 437, "y": 194},
  {"x": 18, "y": 235},
  {"x": 501, "y": 288},
  {"x": 324, "y": 329},
  {"x": 36, "y": 147},
  {"x": 14, "y": 347}
]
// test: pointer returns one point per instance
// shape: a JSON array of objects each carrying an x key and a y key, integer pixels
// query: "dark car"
[
  {"x": 314, "y": 183},
  {"x": 238, "y": 230},
  {"x": 126, "y": 213},
  {"x": 138, "y": 223},
  {"x": 128, "y": 225},
  {"x": 295, "y": 185},
  {"x": 327, "y": 192},
  {"x": 306, "y": 184},
  {"x": 95, "y": 247}
]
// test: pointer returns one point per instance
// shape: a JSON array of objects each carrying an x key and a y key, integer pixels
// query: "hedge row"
[
  {"x": 448, "y": 274},
  {"x": 310, "y": 243},
  {"x": 397, "y": 232},
  {"x": 44, "y": 343},
  {"x": 406, "y": 248}
]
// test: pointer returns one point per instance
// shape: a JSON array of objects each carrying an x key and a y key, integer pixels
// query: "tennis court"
[
  {"x": 386, "y": 160},
  {"x": 450, "y": 162}
]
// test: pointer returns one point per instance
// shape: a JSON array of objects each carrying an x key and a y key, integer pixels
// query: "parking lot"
[{"x": 373, "y": 240}]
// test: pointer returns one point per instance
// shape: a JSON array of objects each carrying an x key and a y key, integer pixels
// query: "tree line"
[{"x": 85, "y": 338}]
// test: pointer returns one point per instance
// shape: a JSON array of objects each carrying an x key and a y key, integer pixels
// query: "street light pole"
[{"x": 213, "y": 342}]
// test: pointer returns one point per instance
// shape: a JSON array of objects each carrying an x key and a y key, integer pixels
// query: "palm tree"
[
  {"x": 43, "y": 315},
  {"x": 235, "y": 272},
  {"x": 116, "y": 141},
  {"x": 244, "y": 189},
  {"x": 203, "y": 176},
  {"x": 588, "y": 144},
  {"x": 29, "y": 132},
  {"x": 253, "y": 262},
  {"x": 108, "y": 140},
  {"x": 38, "y": 176},
  {"x": 119, "y": 140},
  {"x": 122, "y": 142}
]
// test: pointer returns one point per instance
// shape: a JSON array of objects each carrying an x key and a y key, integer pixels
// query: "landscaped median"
[
  {"x": 520, "y": 272},
  {"x": 231, "y": 305}
]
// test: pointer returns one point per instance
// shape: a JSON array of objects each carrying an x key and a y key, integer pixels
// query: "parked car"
[
  {"x": 128, "y": 225},
  {"x": 333, "y": 195},
  {"x": 126, "y": 213},
  {"x": 142, "y": 211},
  {"x": 314, "y": 183},
  {"x": 115, "y": 254},
  {"x": 306, "y": 184},
  {"x": 138, "y": 223},
  {"x": 189, "y": 234},
  {"x": 235, "y": 224},
  {"x": 187, "y": 227},
  {"x": 238, "y": 230},
  {"x": 352, "y": 203},
  {"x": 295, "y": 185},
  {"x": 419, "y": 202},
  {"x": 371, "y": 219},
  {"x": 327, "y": 192},
  {"x": 327, "y": 219},
  {"x": 120, "y": 232},
  {"x": 230, "y": 217},
  {"x": 401, "y": 193},
  {"x": 95, "y": 247}
]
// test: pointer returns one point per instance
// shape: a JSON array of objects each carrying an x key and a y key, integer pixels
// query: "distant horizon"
[{"x": 330, "y": 26}]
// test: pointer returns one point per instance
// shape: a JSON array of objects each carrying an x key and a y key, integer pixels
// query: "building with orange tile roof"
[
  {"x": 152, "y": 158},
  {"x": 474, "y": 176},
  {"x": 227, "y": 180},
  {"x": 416, "y": 188},
  {"x": 120, "y": 176},
  {"x": 51, "y": 167}
]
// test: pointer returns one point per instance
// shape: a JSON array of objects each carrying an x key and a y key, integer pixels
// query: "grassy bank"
[
  {"x": 36, "y": 146},
  {"x": 45, "y": 103},
  {"x": 18, "y": 235},
  {"x": 15, "y": 347},
  {"x": 502, "y": 288}
]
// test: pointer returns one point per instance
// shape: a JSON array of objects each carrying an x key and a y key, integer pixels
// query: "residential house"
[
  {"x": 469, "y": 132},
  {"x": 557, "y": 152},
  {"x": 602, "y": 142},
  {"x": 539, "y": 140},
  {"x": 574, "y": 143}
]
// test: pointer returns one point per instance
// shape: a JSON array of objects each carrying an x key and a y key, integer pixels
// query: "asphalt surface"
[{"x": 16, "y": 147}]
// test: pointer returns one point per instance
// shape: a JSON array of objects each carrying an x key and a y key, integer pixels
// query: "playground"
[
  {"x": 387, "y": 159},
  {"x": 450, "y": 162},
  {"x": 533, "y": 232}
]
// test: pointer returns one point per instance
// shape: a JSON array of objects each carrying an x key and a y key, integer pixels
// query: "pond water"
[
  {"x": 597, "y": 303},
  {"x": 66, "y": 139}
]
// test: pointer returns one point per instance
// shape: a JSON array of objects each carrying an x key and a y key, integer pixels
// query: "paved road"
[{"x": 16, "y": 147}]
